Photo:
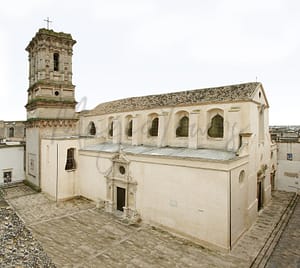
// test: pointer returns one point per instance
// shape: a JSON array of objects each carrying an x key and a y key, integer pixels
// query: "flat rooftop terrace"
[{"x": 210, "y": 154}]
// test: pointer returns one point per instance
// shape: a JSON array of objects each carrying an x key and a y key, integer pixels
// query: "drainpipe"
[
  {"x": 39, "y": 159},
  {"x": 230, "y": 210},
  {"x": 56, "y": 190}
]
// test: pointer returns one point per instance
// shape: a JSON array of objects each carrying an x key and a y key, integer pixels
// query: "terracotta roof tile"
[{"x": 240, "y": 92}]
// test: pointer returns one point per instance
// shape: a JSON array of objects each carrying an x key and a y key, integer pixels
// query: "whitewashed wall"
[
  {"x": 186, "y": 200},
  {"x": 55, "y": 180},
  {"x": 288, "y": 171},
  {"x": 12, "y": 159},
  {"x": 92, "y": 169}
]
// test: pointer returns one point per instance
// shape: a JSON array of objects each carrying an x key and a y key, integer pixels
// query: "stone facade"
[
  {"x": 206, "y": 188},
  {"x": 51, "y": 99},
  {"x": 50, "y": 92},
  {"x": 195, "y": 162}
]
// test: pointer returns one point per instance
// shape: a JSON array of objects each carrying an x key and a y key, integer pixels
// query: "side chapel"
[{"x": 195, "y": 162}]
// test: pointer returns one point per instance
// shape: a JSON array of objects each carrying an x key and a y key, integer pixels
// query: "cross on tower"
[{"x": 48, "y": 22}]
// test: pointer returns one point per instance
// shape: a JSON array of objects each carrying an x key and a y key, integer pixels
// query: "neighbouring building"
[
  {"x": 288, "y": 164},
  {"x": 12, "y": 131},
  {"x": 12, "y": 151},
  {"x": 11, "y": 163}
]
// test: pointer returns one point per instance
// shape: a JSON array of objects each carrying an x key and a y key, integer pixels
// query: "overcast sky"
[{"x": 134, "y": 47}]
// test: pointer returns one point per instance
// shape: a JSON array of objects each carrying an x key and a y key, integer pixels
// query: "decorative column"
[
  {"x": 233, "y": 129},
  {"x": 202, "y": 129},
  {"x": 123, "y": 125},
  {"x": 162, "y": 140},
  {"x": 193, "y": 129},
  {"x": 109, "y": 204},
  {"x": 116, "y": 131},
  {"x": 136, "y": 130}
]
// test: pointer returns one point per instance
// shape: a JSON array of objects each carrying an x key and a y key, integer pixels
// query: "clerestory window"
[
  {"x": 111, "y": 129},
  {"x": 183, "y": 127},
  {"x": 153, "y": 131},
  {"x": 70, "y": 163},
  {"x": 92, "y": 128},
  {"x": 129, "y": 129},
  {"x": 216, "y": 129}
]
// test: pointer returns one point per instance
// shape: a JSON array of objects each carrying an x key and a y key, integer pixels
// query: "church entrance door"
[
  {"x": 121, "y": 194},
  {"x": 273, "y": 180},
  {"x": 259, "y": 195}
]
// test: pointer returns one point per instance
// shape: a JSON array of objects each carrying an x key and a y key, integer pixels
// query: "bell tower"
[
  {"x": 51, "y": 91},
  {"x": 51, "y": 95}
]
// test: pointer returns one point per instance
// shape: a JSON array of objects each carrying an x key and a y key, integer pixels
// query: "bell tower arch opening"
[{"x": 56, "y": 61}]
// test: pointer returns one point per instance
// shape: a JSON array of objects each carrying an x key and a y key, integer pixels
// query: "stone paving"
[
  {"x": 18, "y": 248},
  {"x": 254, "y": 239},
  {"x": 287, "y": 251},
  {"x": 77, "y": 234}
]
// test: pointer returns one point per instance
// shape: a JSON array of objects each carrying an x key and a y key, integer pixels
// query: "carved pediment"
[{"x": 121, "y": 157}]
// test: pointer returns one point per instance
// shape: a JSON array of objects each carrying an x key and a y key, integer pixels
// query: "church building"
[{"x": 195, "y": 162}]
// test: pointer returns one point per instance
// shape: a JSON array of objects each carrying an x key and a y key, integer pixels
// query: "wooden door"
[
  {"x": 121, "y": 194},
  {"x": 259, "y": 195}
]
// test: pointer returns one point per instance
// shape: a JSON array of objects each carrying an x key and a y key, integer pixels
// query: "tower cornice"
[
  {"x": 49, "y": 103},
  {"x": 49, "y": 122},
  {"x": 52, "y": 84},
  {"x": 44, "y": 34}
]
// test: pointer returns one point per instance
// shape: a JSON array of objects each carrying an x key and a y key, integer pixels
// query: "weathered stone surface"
[
  {"x": 249, "y": 246},
  {"x": 77, "y": 234},
  {"x": 18, "y": 248},
  {"x": 287, "y": 251},
  {"x": 218, "y": 94}
]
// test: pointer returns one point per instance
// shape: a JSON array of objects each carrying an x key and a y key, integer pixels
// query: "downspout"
[
  {"x": 56, "y": 190},
  {"x": 230, "y": 210},
  {"x": 40, "y": 163}
]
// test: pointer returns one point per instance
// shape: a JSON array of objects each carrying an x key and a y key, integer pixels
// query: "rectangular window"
[
  {"x": 70, "y": 164},
  {"x": 289, "y": 156},
  {"x": 7, "y": 175}
]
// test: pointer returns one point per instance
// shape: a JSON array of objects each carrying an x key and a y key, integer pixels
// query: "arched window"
[
  {"x": 70, "y": 163},
  {"x": 183, "y": 127},
  {"x": 111, "y": 129},
  {"x": 92, "y": 128},
  {"x": 242, "y": 176},
  {"x": 153, "y": 131},
  {"x": 261, "y": 126},
  {"x": 129, "y": 128},
  {"x": 216, "y": 129},
  {"x": 11, "y": 132},
  {"x": 55, "y": 61}
]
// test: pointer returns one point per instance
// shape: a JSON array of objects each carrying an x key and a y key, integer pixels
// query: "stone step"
[{"x": 264, "y": 254}]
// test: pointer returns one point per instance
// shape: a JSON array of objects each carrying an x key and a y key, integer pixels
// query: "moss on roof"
[{"x": 239, "y": 92}]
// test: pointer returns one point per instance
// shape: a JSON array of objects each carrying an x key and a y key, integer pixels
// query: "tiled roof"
[{"x": 240, "y": 92}]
